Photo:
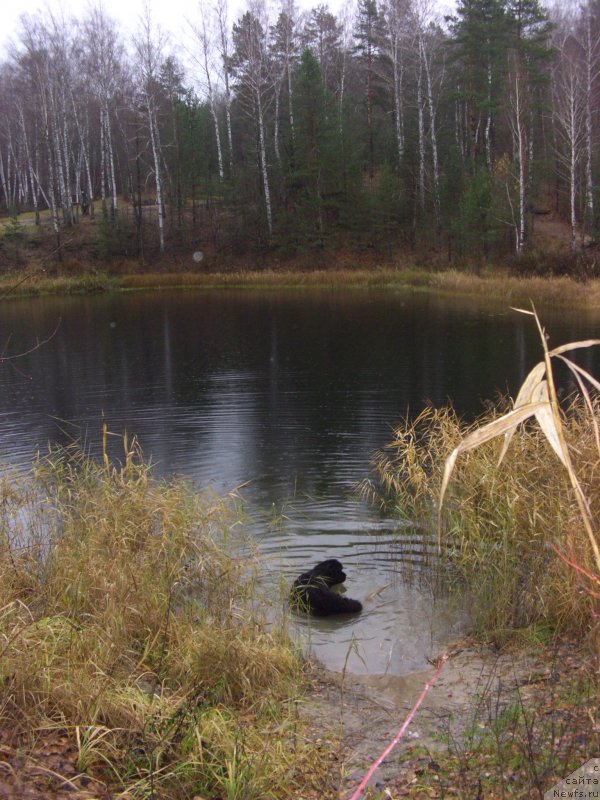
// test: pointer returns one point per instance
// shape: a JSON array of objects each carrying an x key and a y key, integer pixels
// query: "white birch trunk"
[
  {"x": 213, "y": 113},
  {"x": 398, "y": 71},
  {"x": 68, "y": 160},
  {"x": 111, "y": 161},
  {"x": 59, "y": 161},
  {"x": 221, "y": 10},
  {"x": 521, "y": 147},
  {"x": 228, "y": 126},
  {"x": 571, "y": 125},
  {"x": 570, "y": 121},
  {"x": 341, "y": 98},
  {"x": 102, "y": 162},
  {"x": 3, "y": 182},
  {"x": 432, "y": 133},
  {"x": 88, "y": 173},
  {"x": 35, "y": 190},
  {"x": 290, "y": 99},
  {"x": 573, "y": 182},
  {"x": 155, "y": 144},
  {"x": 263, "y": 161},
  {"x": 9, "y": 160},
  {"x": 590, "y": 74},
  {"x": 345, "y": 49},
  {"x": 276, "y": 123},
  {"x": 51, "y": 179},
  {"x": 421, "y": 121},
  {"x": 52, "y": 195},
  {"x": 83, "y": 143},
  {"x": 488, "y": 124},
  {"x": 35, "y": 187},
  {"x": 206, "y": 68}
]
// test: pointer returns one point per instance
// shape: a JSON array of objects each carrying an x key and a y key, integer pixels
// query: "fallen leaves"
[{"x": 43, "y": 766}]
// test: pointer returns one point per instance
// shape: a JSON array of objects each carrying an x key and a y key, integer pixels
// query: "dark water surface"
[{"x": 287, "y": 392}]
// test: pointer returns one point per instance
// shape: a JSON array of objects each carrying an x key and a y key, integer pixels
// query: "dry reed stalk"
[{"x": 537, "y": 398}]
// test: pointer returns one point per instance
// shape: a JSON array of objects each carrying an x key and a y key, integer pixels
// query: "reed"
[
  {"x": 502, "y": 524},
  {"x": 131, "y": 621},
  {"x": 496, "y": 286}
]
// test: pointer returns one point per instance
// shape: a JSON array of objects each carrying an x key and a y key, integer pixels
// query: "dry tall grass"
[
  {"x": 129, "y": 619},
  {"x": 500, "y": 522},
  {"x": 495, "y": 286}
]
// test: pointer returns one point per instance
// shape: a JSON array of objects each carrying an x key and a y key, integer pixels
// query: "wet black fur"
[{"x": 311, "y": 591}]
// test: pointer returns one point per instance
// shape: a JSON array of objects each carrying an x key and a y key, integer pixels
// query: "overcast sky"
[{"x": 170, "y": 14}]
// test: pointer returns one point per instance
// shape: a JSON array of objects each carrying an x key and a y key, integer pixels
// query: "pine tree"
[
  {"x": 368, "y": 34},
  {"x": 478, "y": 43},
  {"x": 312, "y": 140},
  {"x": 322, "y": 34}
]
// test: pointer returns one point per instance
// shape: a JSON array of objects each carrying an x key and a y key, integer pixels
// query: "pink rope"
[{"x": 442, "y": 660}]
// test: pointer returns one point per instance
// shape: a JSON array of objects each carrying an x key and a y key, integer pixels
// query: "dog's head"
[{"x": 330, "y": 572}]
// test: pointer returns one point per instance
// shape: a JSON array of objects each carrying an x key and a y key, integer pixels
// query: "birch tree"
[
  {"x": 149, "y": 46},
  {"x": 569, "y": 115},
  {"x": 205, "y": 34},
  {"x": 284, "y": 50},
  {"x": 394, "y": 44},
  {"x": 529, "y": 32},
  {"x": 427, "y": 51},
  {"x": 344, "y": 47},
  {"x": 518, "y": 118},
  {"x": 5, "y": 124},
  {"x": 105, "y": 76},
  {"x": 251, "y": 68},
  {"x": 225, "y": 62},
  {"x": 590, "y": 38},
  {"x": 34, "y": 64}
]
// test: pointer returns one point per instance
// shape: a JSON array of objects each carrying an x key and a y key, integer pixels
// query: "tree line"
[{"x": 382, "y": 126}]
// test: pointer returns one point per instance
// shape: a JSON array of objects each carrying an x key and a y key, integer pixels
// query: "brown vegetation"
[{"x": 132, "y": 645}]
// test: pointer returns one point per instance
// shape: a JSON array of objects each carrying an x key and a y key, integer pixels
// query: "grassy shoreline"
[
  {"x": 494, "y": 286},
  {"x": 133, "y": 643}
]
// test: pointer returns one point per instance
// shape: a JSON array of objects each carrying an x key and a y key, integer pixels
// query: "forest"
[{"x": 384, "y": 127}]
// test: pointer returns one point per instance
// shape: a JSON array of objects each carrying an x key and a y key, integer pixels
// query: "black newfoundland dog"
[{"x": 311, "y": 592}]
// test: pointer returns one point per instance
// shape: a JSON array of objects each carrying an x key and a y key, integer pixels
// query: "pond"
[{"x": 288, "y": 393}]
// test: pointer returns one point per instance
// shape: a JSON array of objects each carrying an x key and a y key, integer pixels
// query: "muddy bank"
[{"x": 362, "y": 713}]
